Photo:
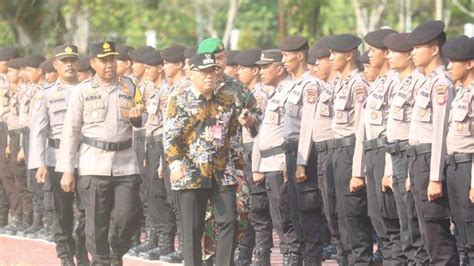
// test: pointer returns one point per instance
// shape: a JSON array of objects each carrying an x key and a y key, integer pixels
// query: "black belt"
[
  {"x": 54, "y": 143},
  {"x": 396, "y": 146},
  {"x": 273, "y": 151},
  {"x": 154, "y": 139},
  {"x": 457, "y": 158},
  {"x": 107, "y": 146},
  {"x": 344, "y": 142},
  {"x": 374, "y": 144},
  {"x": 413, "y": 151},
  {"x": 14, "y": 132},
  {"x": 248, "y": 146},
  {"x": 289, "y": 147},
  {"x": 324, "y": 145}
]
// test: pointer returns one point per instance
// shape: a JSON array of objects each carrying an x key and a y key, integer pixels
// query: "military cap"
[
  {"x": 321, "y": 48},
  {"x": 173, "y": 54},
  {"x": 211, "y": 45},
  {"x": 16, "y": 63},
  {"x": 8, "y": 53},
  {"x": 397, "y": 42},
  {"x": 102, "y": 49},
  {"x": 136, "y": 54},
  {"x": 426, "y": 32},
  {"x": 460, "y": 49},
  {"x": 202, "y": 61},
  {"x": 152, "y": 58},
  {"x": 189, "y": 52},
  {"x": 123, "y": 52},
  {"x": 33, "y": 61},
  {"x": 248, "y": 58},
  {"x": 65, "y": 51},
  {"x": 48, "y": 66},
  {"x": 311, "y": 57},
  {"x": 364, "y": 58},
  {"x": 269, "y": 56},
  {"x": 84, "y": 63},
  {"x": 294, "y": 44},
  {"x": 230, "y": 57},
  {"x": 343, "y": 43},
  {"x": 375, "y": 38}
]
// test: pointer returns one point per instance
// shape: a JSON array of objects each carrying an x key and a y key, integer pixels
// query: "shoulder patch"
[
  {"x": 360, "y": 92},
  {"x": 441, "y": 94},
  {"x": 311, "y": 94}
]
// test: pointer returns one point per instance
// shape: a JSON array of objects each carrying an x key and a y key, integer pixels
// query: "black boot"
[
  {"x": 67, "y": 261},
  {"x": 176, "y": 256},
  {"x": 463, "y": 258},
  {"x": 14, "y": 225},
  {"x": 35, "y": 226},
  {"x": 151, "y": 241},
  {"x": 3, "y": 218},
  {"x": 209, "y": 261},
  {"x": 243, "y": 256},
  {"x": 165, "y": 247},
  {"x": 261, "y": 257},
  {"x": 116, "y": 261},
  {"x": 329, "y": 252},
  {"x": 293, "y": 260},
  {"x": 312, "y": 261},
  {"x": 45, "y": 233}
]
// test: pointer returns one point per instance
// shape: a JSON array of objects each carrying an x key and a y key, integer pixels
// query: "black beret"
[
  {"x": 364, "y": 58},
  {"x": 343, "y": 43},
  {"x": 230, "y": 57},
  {"x": 173, "y": 54},
  {"x": 459, "y": 49},
  {"x": 321, "y": 48},
  {"x": 202, "y": 61},
  {"x": 84, "y": 63},
  {"x": 65, "y": 51},
  {"x": 294, "y": 44},
  {"x": 190, "y": 52},
  {"x": 8, "y": 53},
  {"x": 311, "y": 57},
  {"x": 248, "y": 58},
  {"x": 47, "y": 66},
  {"x": 397, "y": 42},
  {"x": 102, "y": 49},
  {"x": 16, "y": 63},
  {"x": 375, "y": 38},
  {"x": 33, "y": 61},
  {"x": 123, "y": 52},
  {"x": 152, "y": 58},
  {"x": 427, "y": 32},
  {"x": 269, "y": 56},
  {"x": 136, "y": 54}
]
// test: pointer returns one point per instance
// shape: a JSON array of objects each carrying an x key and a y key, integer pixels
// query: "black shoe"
[
  {"x": 463, "y": 259},
  {"x": 13, "y": 228},
  {"x": 151, "y": 242},
  {"x": 68, "y": 261},
  {"x": 156, "y": 253},
  {"x": 116, "y": 261},
  {"x": 329, "y": 252},
  {"x": 209, "y": 261},
  {"x": 243, "y": 256},
  {"x": 377, "y": 256},
  {"x": 293, "y": 260},
  {"x": 261, "y": 257},
  {"x": 173, "y": 257},
  {"x": 35, "y": 226}
]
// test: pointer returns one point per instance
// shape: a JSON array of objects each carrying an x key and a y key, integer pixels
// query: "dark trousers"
[
  {"x": 35, "y": 188},
  {"x": 19, "y": 175},
  {"x": 412, "y": 244},
  {"x": 159, "y": 207},
  {"x": 60, "y": 205},
  {"x": 248, "y": 239},
  {"x": 192, "y": 204},
  {"x": 307, "y": 199},
  {"x": 458, "y": 178},
  {"x": 259, "y": 215},
  {"x": 4, "y": 193},
  {"x": 139, "y": 140},
  {"x": 353, "y": 220},
  {"x": 434, "y": 217},
  {"x": 383, "y": 208},
  {"x": 107, "y": 197}
]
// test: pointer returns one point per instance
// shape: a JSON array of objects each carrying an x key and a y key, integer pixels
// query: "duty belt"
[
  {"x": 374, "y": 144},
  {"x": 324, "y": 145},
  {"x": 283, "y": 148},
  {"x": 107, "y": 146},
  {"x": 413, "y": 151},
  {"x": 457, "y": 158},
  {"x": 17, "y": 131},
  {"x": 348, "y": 141},
  {"x": 248, "y": 146},
  {"x": 154, "y": 139},
  {"x": 396, "y": 146},
  {"x": 54, "y": 143}
]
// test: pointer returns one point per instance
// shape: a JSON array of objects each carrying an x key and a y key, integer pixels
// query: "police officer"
[
  {"x": 124, "y": 63},
  {"x": 460, "y": 143},
  {"x": 50, "y": 73},
  {"x": 398, "y": 122},
  {"x": 103, "y": 110},
  {"x": 85, "y": 70},
  {"x": 231, "y": 66},
  {"x": 351, "y": 194},
  {"x": 427, "y": 140},
  {"x": 269, "y": 166}
]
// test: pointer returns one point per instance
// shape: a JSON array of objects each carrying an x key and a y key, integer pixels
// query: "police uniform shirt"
[
  {"x": 350, "y": 94},
  {"x": 4, "y": 99},
  {"x": 429, "y": 121},
  {"x": 27, "y": 103},
  {"x": 101, "y": 113},
  {"x": 374, "y": 115},
  {"x": 322, "y": 130},
  {"x": 271, "y": 131},
  {"x": 461, "y": 124},
  {"x": 311, "y": 94},
  {"x": 156, "y": 100},
  {"x": 13, "y": 118},
  {"x": 399, "y": 114},
  {"x": 261, "y": 96},
  {"x": 47, "y": 122}
]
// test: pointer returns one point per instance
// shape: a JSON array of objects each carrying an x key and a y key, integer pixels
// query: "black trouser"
[
  {"x": 433, "y": 216},
  {"x": 60, "y": 205},
  {"x": 412, "y": 244},
  {"x": 383, "y": 208},
  {"x": 35, "y": 188},
  {"x": 260, "y": 215},
  {"x": 458, "y": 176},
  {"x": 192, "y": 204},
  {"x": 159, "y": 207},
  {"x": 248, "y": 239},
  {"x": 4, "y": 191},
  {"x": 352, "y": 210},
  {"x": 107, "y": 197},
  {"x": 307, "y": 201},
  {"x": 139, "y": 140},
  {"x": 19, "y": 175}
]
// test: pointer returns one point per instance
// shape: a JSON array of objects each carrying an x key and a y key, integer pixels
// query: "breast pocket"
[
  {"x": 125, "y": 106},
  {"x": 373, "y": 117},
  {"x": 324, "y": 109},
  {"x": 293, "y": 110},
  {"x": 343, "y": 117},
  {"x": 396, "y": 110},
  {"x": 459, "y": 124},
  {"x": 272, "y": 114},
  {"x": 58, "y": 110},
  {"x": 95, "y": 112}
]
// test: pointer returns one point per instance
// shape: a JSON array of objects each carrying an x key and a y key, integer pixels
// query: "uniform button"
[
  {"x": 460, "y": 127},
  {"x": 374, "y": 115}
]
